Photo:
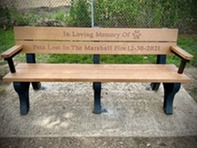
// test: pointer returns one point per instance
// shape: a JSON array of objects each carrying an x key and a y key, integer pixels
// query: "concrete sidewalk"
[{"x": 65, "y": 109}]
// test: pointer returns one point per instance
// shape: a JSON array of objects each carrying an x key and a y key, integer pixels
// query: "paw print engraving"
[{"x": 136, "y": 34}]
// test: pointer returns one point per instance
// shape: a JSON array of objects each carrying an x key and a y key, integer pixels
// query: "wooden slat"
[
  {"x": 181, "y": 52},
  {"x": 10, "y": 52},
  {"x": 96, "y": 47},
  {"x": 101, "y": 34},
  {"x": 96, "y": 73}
]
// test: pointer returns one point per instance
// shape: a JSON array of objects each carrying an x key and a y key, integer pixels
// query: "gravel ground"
[{"x": 131, "y": 111}]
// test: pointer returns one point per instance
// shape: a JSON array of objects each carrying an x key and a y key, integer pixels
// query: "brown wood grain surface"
[
  {"x": 181, "y": 52},
  {"x": 60, "y": 47},
  {"x": 62, "y": 40},
  {"x": 8, "y": 53},
  {"x": 96, "y": 73},
  {"x": 95, "y": 34}
]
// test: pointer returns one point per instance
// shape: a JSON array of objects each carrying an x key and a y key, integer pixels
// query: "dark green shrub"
[
  {"x": 5, "y": 17},
  {"x": 145, "y": 13},
  {"x": 79, "y": 14}
]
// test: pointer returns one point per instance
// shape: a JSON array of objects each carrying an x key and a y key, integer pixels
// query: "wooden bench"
[{"x": 96, "y": 41}]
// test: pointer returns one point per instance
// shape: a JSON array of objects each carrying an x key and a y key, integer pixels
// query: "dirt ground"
[{"x": 106, "y": 142}]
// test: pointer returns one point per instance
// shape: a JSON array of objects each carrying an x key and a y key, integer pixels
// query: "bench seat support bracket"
[
  {"x": 161, "y": 59},
  {"x": 31, "y": 58},
  {"x": 97, "y": 97},
  {"x": 97, "y": 89},
  {"x": 22, "y": 88},
  {"x": 170, "y": 90}
]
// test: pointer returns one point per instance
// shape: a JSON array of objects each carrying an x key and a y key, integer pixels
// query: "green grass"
[
  {"x": 187, "y": 42},
  {"x": 6, "y": 39},
  {"x": 103, "y": 59}
]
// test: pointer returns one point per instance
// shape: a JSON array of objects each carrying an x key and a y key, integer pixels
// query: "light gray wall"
[{"x": 24, "y": 4}]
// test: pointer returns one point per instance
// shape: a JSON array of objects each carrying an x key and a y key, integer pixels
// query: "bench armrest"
[
  {"x": 185, "y": 56},
  {"x": 8, "y": 54},
  {"x": 181, "y": 53},
  {"x": 11, "y": 51}
]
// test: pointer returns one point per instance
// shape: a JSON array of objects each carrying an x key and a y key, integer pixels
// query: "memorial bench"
[{"x": 95, "y": 41}]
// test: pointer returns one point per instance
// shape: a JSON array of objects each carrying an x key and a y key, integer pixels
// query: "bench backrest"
[{"x": 64, "y": 40}]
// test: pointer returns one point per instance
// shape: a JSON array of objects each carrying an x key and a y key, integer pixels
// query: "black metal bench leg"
[
  {"x": 155, "y": 86},
  {"x": 36, "y": 85},
  {"x": 97, "y": 97},
  {"x": 31, "y": 58},
  {"x": 161, "y": 59},
  {"x": 22, "y": 88},
  {"x": 170, "y": 90}
]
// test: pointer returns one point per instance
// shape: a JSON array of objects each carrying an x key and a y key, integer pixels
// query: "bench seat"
[{"x": 96, "y": 73}]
